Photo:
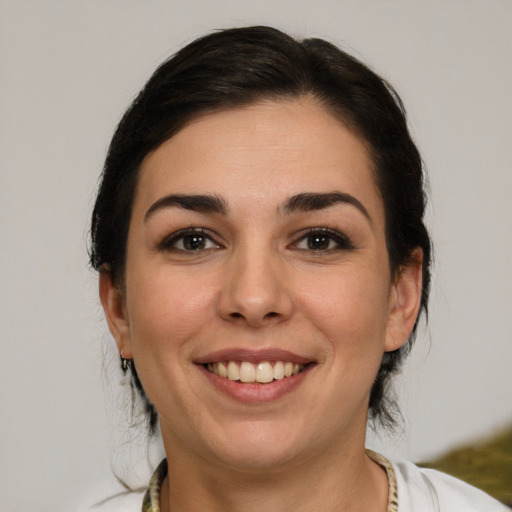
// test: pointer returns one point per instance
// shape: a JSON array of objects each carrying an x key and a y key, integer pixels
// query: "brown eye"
[
  {"x": 324, "y": 240},
  {"x": 189, "y": 240},
  {"x": 194, "y": 242},
  {"x": 318, "y": 242}
]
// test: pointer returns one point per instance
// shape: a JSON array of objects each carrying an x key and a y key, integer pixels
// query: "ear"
[
  {"x": 404, "y": 302},
  {"x": 115, "y": 311}
]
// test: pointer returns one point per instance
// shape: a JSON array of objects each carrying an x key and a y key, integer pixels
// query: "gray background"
[{"x": 68, "y": 69}]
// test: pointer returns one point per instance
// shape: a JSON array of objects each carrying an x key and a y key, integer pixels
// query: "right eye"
[{"x": 189, "y": 240}]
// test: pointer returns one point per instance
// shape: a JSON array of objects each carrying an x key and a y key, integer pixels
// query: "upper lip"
[{"x": 252, "y": 356}]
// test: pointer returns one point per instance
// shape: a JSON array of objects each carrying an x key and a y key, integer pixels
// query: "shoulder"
[{"x": 428, "y": 490}]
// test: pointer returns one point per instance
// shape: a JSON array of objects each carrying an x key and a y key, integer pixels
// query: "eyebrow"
[
  {"x": 304, "y": 202},
  {"x": 311, "y": 201},
  {"x": 203, "y": 203}
]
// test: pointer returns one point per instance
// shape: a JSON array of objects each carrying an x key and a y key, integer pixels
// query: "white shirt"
[{"x": 428, "y": 490}]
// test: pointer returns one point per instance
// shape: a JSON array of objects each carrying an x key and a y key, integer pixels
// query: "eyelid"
[
  {"x": 168, "y": 241},
  {"x": 344, "y": 242}
]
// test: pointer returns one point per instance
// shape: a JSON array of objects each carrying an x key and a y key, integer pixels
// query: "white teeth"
[
  {"x": 264, "y": 373},
  {"x": 223, "y": 371},
  {"x": 279, "y": 370},
  {"x": 233, "y": 371},
  {"x": 247, "y": 372}
]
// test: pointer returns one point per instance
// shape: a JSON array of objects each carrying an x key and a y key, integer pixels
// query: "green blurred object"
[{"x": 486, "y": 465}]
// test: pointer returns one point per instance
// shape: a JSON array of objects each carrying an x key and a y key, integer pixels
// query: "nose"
[{"x": 255, "y": 291}]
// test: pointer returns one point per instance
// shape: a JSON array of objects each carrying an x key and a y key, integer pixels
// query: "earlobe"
[
  {"x": 115, "y": 313},
  {"x": 405, "y": 301}
]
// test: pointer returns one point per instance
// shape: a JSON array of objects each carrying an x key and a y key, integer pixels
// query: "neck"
[{"x": 331, "y": 482}]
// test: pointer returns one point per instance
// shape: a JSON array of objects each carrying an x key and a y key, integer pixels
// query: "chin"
[{"x": 258, "y": 446}]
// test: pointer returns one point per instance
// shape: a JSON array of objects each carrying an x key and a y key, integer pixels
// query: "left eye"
[
  {"x": 323, "y": 240},
  {"x": 194, "y": 243}
]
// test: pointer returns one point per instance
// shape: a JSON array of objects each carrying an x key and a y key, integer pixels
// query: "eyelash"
[
  {"x": 342, "y": 241},
  {"x": 169, "y": 243},
  {"x": 328, "y": 235}
]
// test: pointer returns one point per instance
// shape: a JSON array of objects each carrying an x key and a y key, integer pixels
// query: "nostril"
[{"x": 271, "y": 314}]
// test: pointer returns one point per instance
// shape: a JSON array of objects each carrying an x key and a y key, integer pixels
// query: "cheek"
[
  {"x": 166, "y": 309},
  {"x": 349, "y": 306}
]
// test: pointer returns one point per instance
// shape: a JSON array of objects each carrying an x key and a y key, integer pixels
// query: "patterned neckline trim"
[
  {"x": 390, "y": 472},
  {"x": 151, "y": 502}
]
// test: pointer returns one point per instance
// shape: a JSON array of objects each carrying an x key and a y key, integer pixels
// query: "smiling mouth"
[{"x": 261, "y": 373}]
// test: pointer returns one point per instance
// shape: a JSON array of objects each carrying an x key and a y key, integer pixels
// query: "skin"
[{"x": 257, "y": 284}]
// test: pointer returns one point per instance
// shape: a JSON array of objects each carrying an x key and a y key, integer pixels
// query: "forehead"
[{"x": 264, "y": 151}]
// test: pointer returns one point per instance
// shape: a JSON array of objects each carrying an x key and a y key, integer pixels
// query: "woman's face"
[{"x": 257, "y": 248}]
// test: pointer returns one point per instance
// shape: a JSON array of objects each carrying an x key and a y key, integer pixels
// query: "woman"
[{"x": 263, "y": 262}]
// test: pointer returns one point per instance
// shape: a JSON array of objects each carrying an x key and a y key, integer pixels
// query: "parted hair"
[{"x": 236, "y": 67}]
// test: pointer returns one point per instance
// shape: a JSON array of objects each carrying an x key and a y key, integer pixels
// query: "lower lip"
[{"x": 255, "y": 393}]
